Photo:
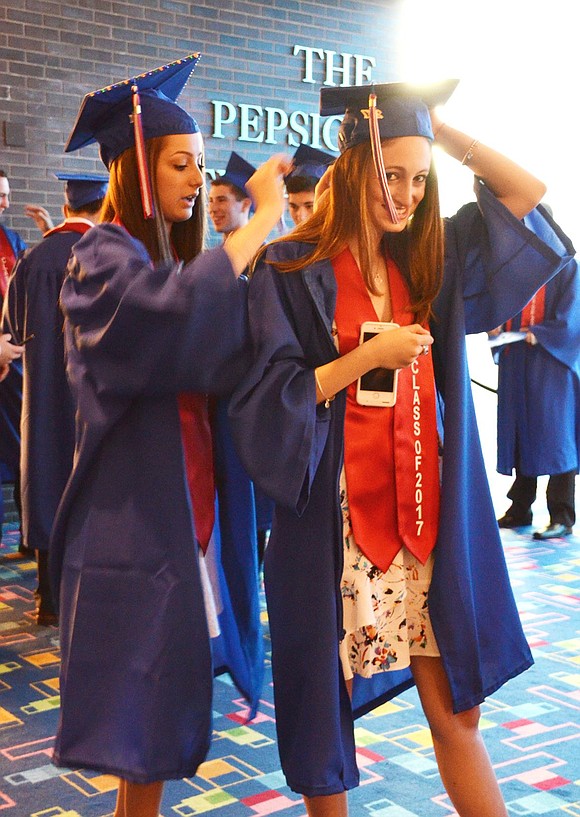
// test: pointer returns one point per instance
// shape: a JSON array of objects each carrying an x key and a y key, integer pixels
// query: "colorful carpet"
[{"x": 531, "y": 726}]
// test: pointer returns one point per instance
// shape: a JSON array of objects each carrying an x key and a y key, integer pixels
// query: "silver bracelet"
[
  {"x": 469, "y": 152},
  {"x": 327, "y": 400}
]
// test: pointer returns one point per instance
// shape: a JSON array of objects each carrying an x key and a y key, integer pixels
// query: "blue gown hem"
[
  {"x": 463, "y": 705},
  {"x": 367, "y": 707},
  {"x": 103, "y": 768},
  {"x": 322, "y": 791}
]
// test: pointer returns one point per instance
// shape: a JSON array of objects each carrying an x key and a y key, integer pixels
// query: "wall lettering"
[{"x": 272, "y": 126}]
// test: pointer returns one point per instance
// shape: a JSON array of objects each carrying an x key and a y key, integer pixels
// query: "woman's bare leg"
[
  {"x": 138, "y": 799},
  {"x": 327, "y": 805},
  {"x": 462, "y": 758}
]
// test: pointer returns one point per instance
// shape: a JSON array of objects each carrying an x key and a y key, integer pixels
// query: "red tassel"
[
  {"x": 378, "y": 157},
  {"x": 144, "y": 179}
]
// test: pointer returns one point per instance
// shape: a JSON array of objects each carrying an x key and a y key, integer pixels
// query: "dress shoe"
[
  {"x": 553, "y": 531},
  {"x": 510, "y": 521},
  {"x": 46, "y": 619},
  {"x": 25, "y": 551}
]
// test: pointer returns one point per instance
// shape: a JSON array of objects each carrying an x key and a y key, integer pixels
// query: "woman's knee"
[{"x": 455, "y": 727}]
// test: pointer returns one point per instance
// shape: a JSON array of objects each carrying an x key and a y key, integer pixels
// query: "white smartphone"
[{"x": 378, "y": 387}]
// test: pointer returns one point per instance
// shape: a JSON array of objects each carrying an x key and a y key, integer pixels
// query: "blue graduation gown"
[
  {"x": 293, "y": 450},
  {"x": 539, "y": 387},
  {"x": 136, "y": 671},
  {"x": 31, "y": 307}
]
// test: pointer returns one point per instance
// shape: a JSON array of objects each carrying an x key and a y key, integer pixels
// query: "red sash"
[
  {"x": 70, "y": 225},
  {"x": 533, "y": 311},
  {"x": 198, "y": 455},
  {"x": 390, "y": 454},
  {"x": 7, "y": 261}
]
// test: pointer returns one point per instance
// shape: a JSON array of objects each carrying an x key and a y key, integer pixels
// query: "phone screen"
[{"x": 377, "y": 379}]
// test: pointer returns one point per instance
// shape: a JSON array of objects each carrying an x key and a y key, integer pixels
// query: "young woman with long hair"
[
  {"x": 154, "y": 329},
  {"x": 384, "y": 566}
]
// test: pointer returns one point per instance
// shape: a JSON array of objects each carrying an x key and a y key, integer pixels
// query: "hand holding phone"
[{"x": 377, "y": 387}]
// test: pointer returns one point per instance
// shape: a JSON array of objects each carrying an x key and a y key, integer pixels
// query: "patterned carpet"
[{"x": 531, "y": 726}]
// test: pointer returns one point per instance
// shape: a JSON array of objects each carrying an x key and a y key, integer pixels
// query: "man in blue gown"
[
  {"x": 11, "y": 246},
  {"x": 538, "y": 420},
  {"x": 31, "y": 310},
  {"x": 230, "y": 208}
]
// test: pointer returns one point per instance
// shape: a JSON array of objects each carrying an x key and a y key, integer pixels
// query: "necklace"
[{"x": 378, "y": 275}]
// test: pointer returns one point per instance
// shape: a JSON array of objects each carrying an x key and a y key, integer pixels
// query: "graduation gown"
[
  {"x": 292, "y": 448},
  {"x": 539, "y": 387},
  {"x": 136, "y": 669},
  {"x": 31, "y": 307}
]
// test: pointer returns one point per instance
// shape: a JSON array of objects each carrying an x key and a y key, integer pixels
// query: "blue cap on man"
[
  {"x": 310, "y": 163},
  {"x": 83, "y": 188},
  {"x": 238, "y": 172}
]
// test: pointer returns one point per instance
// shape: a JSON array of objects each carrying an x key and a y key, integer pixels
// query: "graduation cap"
[
  {"x": 83, "y": 188},
  {"x": 384, "y": 111},
  {"x": 237, "y": 172},
  {"x": 402, "y": 109},
  {"x": 132, "y": 111},
  {"x": 310, "y": 163},
  {"x": 105, "y": 115}
]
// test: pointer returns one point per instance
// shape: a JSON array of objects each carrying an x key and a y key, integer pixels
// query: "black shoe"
[
  {"x": 24, "y": 550},
  {"x": 553, "y": 531},
  {"x": 510, "y": 521},
  {"x": 47, "y": 619}
]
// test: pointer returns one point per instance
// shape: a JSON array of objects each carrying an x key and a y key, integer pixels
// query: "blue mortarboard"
[
  {"x": 105, "y": 116},
  {"x": 402, "y": 108},
  {"x": 238, "y": 172},
  {"x": 83, "y": 188},
  {"x": 310, "y": 162}
]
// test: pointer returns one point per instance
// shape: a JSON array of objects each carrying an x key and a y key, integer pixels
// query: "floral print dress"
[{"x": 386, "y": 615}]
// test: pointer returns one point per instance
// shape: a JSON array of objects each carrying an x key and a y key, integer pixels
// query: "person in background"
[
  {"x": 32, "y": 312},
  {"x": 11, "y": 246},
  {"x": 229, "y": 203},
  {"x": 538, "y": 413},
  {"x": 230, "y": 208},
  {"x": 11, "y": 243},
  {"x": 156, "y": 574},
  {"x": 310, "y": 165},
  {"x": 385, "y": 566}
]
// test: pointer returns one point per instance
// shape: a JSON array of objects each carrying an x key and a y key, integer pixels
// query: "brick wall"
[{"x": 52, "y": 53}]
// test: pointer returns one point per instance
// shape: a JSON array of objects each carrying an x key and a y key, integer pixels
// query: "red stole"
[
  {"x": 198, "y": 455},
  {"x": 533, "y": 311},
  {"x": 70, "y": 225},
  {"x": 390, "y": 454},
  {"x": 197, "y": 444},
  {"x": 7, "y": 261}
]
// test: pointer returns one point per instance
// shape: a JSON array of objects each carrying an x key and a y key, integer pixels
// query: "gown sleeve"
[
  {"x": 560, "y": 334},
  {"x": 278, "y": 429},
  {"x": 503, "y": 260},
  {"x": 135, "y": 328}
]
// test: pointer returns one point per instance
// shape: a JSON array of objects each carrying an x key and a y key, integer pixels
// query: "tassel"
[
  {"x": 144, "y": 179},
  {"x": 378, "y": 157}
]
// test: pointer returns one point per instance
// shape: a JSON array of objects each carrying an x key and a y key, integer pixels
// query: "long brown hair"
[
  {"x": 123, "y": 199},
  {"x": 344, "y": 214}
]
